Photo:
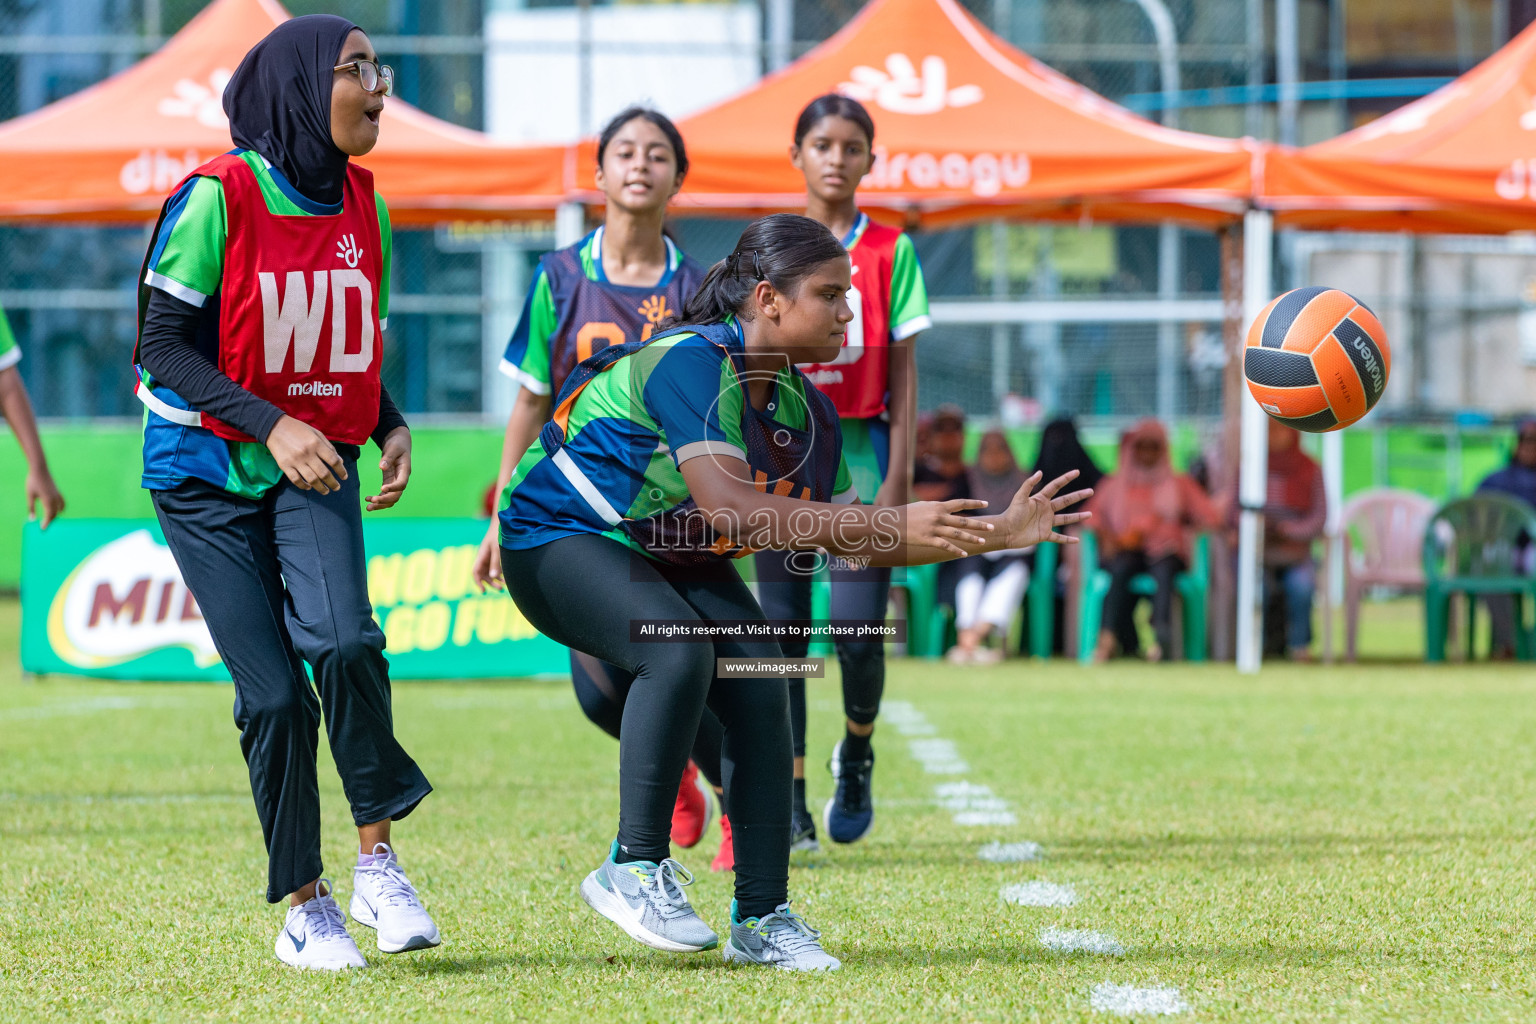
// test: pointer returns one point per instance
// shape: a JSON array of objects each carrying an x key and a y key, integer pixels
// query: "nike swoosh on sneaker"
[
  {"x": 371, "y": 908},
  {"x": 298, "y": 947}
]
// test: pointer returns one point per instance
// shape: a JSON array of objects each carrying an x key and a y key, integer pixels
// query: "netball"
[{"x": 1317, "y": 359}]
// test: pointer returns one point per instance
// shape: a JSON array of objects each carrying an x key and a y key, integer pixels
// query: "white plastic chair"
[{"x": 1383, "y": 547}]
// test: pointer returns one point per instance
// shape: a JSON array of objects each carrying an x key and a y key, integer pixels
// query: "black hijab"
[
  {"x": 279, "y": 103},
  {"x": 1060, "y": 450}
]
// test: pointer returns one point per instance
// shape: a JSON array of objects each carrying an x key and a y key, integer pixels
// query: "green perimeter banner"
[{"x": 103, "y": 597}]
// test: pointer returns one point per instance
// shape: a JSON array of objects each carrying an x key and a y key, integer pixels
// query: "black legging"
[
  {"x": 583, "y": 591},
  {"x": 602, "y": 691},
  {"x": 1120, "y": 603},
  {"x": 784, "y": 587}
]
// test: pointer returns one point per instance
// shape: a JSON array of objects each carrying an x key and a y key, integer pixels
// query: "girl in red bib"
[
  {"x": 873, "y": 383},
  {"x": 262, "y": 308}
]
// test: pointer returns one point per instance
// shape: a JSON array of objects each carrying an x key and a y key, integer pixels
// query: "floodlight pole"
[
  {"x": 1167, "y": 55},
  {"x": 1168, "y": 262},
  {"x": 1253, "y": 481},
  {"x": 781, "y": 33},
  {"x": 1287, "y": 70},
  {"x": 583, "y": 67}
]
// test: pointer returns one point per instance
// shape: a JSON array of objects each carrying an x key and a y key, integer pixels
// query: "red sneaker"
[
  {"x": 695, "y": 806},
  {"x": 725, "y": 860}
]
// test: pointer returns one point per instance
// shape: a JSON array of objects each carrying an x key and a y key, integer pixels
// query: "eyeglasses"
[{"x": 372, "y": 75}]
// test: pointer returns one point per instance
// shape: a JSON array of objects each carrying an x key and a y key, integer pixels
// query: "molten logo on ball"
[{"x": 1317, "y": 359}]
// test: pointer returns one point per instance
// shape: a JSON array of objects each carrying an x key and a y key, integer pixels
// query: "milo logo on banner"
[
  {"x": 124, "y": 601},
  {"x": 104, "y": 598}
]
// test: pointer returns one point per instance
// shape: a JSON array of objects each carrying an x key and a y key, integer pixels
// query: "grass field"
[{"x": 1341, "y": 844}]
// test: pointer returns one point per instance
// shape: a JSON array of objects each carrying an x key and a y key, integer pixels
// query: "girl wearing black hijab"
[{"x": 261, "y": 309}]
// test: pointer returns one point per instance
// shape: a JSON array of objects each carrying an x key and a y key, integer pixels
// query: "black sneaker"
[
  {"x": 851, "y": 811},
  {"x": 802, "y": 832}
]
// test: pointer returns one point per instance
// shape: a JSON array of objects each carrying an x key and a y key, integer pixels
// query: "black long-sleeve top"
[{"x": 168, "y": 349}]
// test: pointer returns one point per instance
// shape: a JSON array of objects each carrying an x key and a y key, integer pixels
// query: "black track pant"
[
  {"x": 582, "y": 591},
  {"x": 856, "y": 594},
  {"x": 1120, "y": 603},
  {"x": 601, "y": 690},
  {"x": 282, "y": 581}
]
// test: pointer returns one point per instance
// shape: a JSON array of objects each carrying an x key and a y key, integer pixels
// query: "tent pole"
[
  {"x": 570, "y": 224},
  {"x": 1002, "y": 334},
  {"x": 1169, "y": 358},
  {"x": 504, "y": 277},
  {"x": 1258, "y": 252},
  {"x": 1333, "y": 531}
]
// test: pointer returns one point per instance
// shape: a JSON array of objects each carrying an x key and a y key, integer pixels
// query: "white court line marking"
[
  {"x": 1128, "y": 1000},
  {"x": 965, "y": 796},
  {"x": 906, "y": 719},
  {"x": 1067, "y": 940},
  {"x": 977, "y": 819},
  {"x": 973, "y": 805},
  {"x": 1039, "y": 894},
  {"x": 977, "y": 805},
  {"x": 125, "y": 798},
  {"x": 938, "y": 756},
  {"x": 934, "y": 750},
  {"x": 84, "y": 706}
]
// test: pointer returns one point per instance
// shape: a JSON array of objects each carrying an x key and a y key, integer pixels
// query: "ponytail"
[{"x": 781, "y": 249}]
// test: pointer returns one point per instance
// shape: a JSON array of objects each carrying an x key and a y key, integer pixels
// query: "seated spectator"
[
  {"x": 1295, "y": 510},
  {"x": 989, "y": 587},
  {"x": 940, "y": 474},
  {"x": 1518, "y": 479},
  {"x": 1062, "y": 450},
  {"x": 1145, "y": 516}
]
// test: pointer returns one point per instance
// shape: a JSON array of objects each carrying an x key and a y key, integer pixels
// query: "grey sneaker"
[
  {"x": 647, "y": 900},
  {"x": 781, "y": 939}
]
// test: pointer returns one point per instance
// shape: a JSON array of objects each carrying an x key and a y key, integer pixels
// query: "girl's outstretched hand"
[
  {"x": 939, "y": 524},
  {"x": 1033, "y": 518}
]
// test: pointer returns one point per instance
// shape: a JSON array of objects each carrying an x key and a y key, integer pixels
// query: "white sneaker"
[
  {"x": 383, "y": 899},
  {"x": 315, "y": 935}
]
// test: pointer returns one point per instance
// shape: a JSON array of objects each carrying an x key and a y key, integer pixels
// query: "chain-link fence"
[{"x": 69, "y": 291}]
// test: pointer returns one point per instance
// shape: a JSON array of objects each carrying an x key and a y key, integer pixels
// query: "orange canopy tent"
[
  {"x": 966, "y": 128},
  {"x": 1462, "y": 159},
  {"x": 113, "y": 151}
]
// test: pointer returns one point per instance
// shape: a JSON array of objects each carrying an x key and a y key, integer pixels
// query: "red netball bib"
[
  {"x": 858, "y": 380},
  {"x": 299, "y": 312}
]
